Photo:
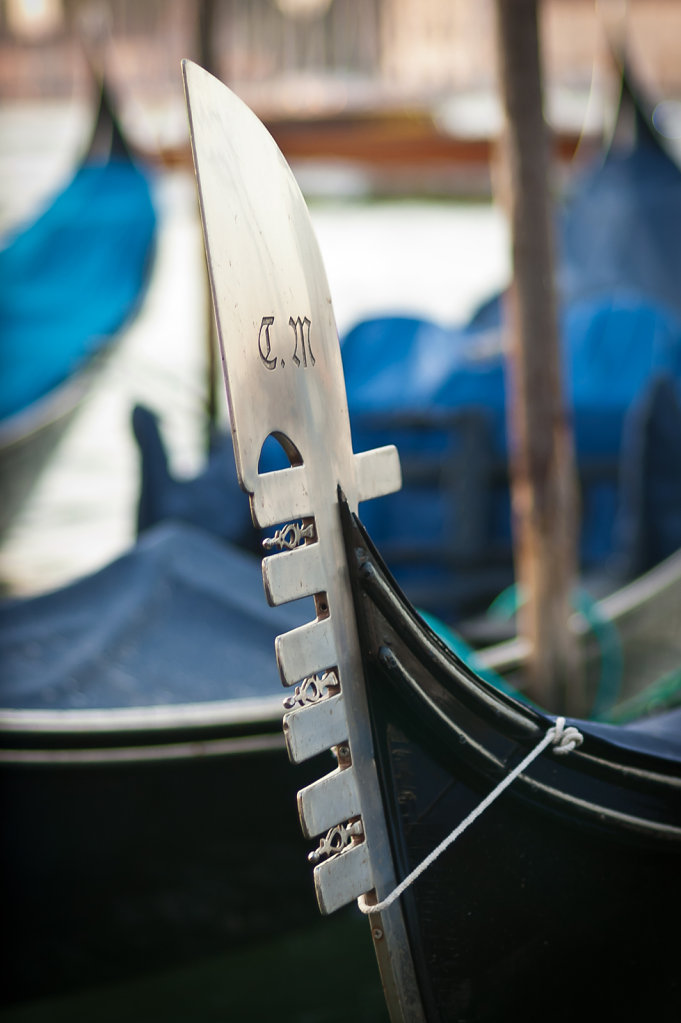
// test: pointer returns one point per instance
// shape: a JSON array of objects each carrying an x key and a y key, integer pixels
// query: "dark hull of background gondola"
[
  {"x": 116, "y": 870},
  {"x": 30, "y": 434},
  {"x": 557, "y": 901},
  {"x": 147, "y": 799}
]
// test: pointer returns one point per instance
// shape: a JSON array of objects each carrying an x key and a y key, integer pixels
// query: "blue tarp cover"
[
  {"x": 181, "y": 618},
  {"x": 70, "y": 280}
]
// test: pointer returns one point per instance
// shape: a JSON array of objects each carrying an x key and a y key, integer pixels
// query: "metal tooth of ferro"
[
  {"x": 281, "y": 496},
  {"x": 313, "y": 729},
  {"x": 343, "y": 878},
  {"x": 293, "y": 574},
  {"x": 306, "y": 650},
  {"x": 327, "y": 802}
]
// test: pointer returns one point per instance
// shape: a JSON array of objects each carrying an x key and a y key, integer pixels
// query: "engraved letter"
[
  {"x": 265, "y": 325},
  {"x": 301, "y": 329}
]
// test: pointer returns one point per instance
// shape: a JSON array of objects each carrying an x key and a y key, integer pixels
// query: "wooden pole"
[
  {"x": 205, "y": 45},
  {"x": 544, "y": 491}
]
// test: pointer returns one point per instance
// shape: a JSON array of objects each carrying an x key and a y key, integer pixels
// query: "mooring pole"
[
  {"x": 541, "y": 456},
  {"x": 205, "y": 27}
]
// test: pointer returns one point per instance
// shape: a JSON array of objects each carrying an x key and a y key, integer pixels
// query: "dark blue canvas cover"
[{"x": 180, "y": 618}]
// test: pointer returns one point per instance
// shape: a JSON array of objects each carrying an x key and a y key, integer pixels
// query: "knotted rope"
[{"x": 563, "y": 739}]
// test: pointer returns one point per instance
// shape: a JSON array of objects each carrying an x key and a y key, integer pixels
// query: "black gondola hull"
[
  {"x": 120, "y": 868},
  {"x": 559, "y": 898}
]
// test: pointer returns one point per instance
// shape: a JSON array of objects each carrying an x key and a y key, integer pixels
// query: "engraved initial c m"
[
  {"x": 301, "y": 331},
  {"x": 265, "y": 343}
]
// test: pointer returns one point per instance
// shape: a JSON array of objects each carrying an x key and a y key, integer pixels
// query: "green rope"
[
  {"x": 662, "y": 694},
  {"x": 467, "y": 654},
  {"x": 604, "y": 631}
]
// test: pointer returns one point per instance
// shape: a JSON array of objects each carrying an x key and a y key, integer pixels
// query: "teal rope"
[
  {"x": 604, "y": 631},
  {"x": 612, "y": 656},
  {"x": 467, "y": 654},
  {"x": 662, "y": 694}
]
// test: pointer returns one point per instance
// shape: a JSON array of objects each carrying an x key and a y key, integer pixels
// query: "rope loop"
[{"x": 565, "y": 738}]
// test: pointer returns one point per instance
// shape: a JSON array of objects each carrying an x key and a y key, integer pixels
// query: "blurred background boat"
[
  {"x": 439, "y": 392},
  {"x": 72, "y": 280},
  {"x": 148, "y": 801}
]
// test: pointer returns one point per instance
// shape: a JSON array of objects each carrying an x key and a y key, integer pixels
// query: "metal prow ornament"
[{"x": 284, "y": 378}]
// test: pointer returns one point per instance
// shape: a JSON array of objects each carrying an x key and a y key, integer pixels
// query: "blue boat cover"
[
  {"x": 658, "y": 735},
  {"x": 70, "y": 280},
  {"x": 180, "y": 618},
  {"x": 399, "y": 369},
  {"x": 213, "y": 500},
  {"x": 620, "y": 226},
  {"x": 617, "y": 230},
  {"x": 438, "y": 392}
]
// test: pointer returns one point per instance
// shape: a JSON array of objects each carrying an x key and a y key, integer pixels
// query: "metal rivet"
[{"x": 377, "y": 933}]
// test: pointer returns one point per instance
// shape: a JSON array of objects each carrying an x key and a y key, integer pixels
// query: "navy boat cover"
[{"x": 180, "y": 618}]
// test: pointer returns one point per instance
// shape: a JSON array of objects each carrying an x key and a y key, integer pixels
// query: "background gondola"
[
  {"x": 72, "y": 280},
  {"x": 147, "y": 797}
]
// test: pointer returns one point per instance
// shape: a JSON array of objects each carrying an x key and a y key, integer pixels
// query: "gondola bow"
[{"x": 419, "y": 737}]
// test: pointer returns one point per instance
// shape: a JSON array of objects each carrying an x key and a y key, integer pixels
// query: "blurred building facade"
[{"x": 319, "y": 53}]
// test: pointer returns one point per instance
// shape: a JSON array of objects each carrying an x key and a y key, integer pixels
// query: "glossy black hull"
[
  {"x": 558, "y": 901},
  {"x": 145, "y": 861}
]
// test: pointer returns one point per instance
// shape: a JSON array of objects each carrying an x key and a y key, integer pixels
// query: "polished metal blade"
[
  {"x": 284, "y": 377},
  {"x": 272, "y": 301}
]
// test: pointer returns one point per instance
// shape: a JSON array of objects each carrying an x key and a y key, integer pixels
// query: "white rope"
[{"x": 563, "y": 739}]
